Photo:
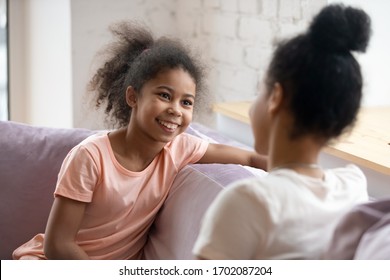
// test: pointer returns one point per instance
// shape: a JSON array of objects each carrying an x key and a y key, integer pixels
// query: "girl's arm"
[
  {"x": 219, "y": 153},
  {"x": 61, "y": 230}
]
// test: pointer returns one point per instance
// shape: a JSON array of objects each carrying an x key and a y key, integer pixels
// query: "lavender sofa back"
[
  {"x": 363, "y": 233},
  {"x": 30, "y": 158}
]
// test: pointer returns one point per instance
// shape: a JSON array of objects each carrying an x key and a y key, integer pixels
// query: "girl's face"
[
  {"x": 164, "y": 107},
  {"x": 260, "y": 121}
]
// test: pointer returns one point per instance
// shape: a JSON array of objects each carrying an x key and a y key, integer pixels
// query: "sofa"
[{"x": 31, "y": 156}]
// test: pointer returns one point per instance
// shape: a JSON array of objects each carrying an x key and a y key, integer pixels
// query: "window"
[{"x": 4, "y": 101}]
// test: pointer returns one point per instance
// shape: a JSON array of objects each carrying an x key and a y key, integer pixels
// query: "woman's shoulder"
[
  {"x": 251, "y": 189},
  {"x": 349, "y": 173}
]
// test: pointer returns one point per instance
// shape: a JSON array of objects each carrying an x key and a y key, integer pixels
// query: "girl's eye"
[
  {"x": 165, "y": 95},
  {"x": 187, "y": 103}
]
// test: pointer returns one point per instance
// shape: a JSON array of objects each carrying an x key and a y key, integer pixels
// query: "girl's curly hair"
[{"x": 134, "y": 58}]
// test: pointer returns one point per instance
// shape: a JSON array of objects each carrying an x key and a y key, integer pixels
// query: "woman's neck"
[{"x": 299, "y": 154}]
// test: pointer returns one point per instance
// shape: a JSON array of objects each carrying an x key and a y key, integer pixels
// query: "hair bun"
[{"x": 338, "y": 29}]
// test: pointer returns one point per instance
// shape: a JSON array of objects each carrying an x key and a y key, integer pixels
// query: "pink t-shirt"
[{"x": 121, "y": 204}]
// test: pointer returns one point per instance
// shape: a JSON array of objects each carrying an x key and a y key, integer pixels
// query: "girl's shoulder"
[
  {"x": 186, "y": 137},
  {"x": 185, "y": 148},
  {"x": 185, "y": 141},
  {"x": 97, "y": 139},
  {"x": 95, "y": 145}
]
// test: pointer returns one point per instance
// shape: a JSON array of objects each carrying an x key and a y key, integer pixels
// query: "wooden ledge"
[{"x": 368, "y": 144}]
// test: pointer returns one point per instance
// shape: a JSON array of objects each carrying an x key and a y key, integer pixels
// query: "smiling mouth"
[{"x": 168, "y": 125}]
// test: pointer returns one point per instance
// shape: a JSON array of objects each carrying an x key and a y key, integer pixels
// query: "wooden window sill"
[{"x": 367, "y": 145}]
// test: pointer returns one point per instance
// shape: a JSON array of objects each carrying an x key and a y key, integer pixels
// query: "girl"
[
  {"x": 311, "y": 94},
  {"x": 111, "y": 186}
]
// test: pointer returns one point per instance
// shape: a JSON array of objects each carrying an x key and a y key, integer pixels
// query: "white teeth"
[{"x": 168, "y": 125}]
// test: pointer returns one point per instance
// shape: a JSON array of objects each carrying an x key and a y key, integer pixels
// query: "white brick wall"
[
  {"x": 269, "y": 9},
  {"x": 255, "y": 29},
  {"x": 229, "y": 5},
  {"x": 210, "y": 3},
  {"x": 290, "y": 9},
  {"x": 234, "y": 37},
  {"x": 249, "y": 6},
  {"x": 236, "y": 40}
]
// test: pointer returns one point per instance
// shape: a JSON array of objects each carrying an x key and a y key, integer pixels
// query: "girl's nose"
[{"x": 174, "y": 110}]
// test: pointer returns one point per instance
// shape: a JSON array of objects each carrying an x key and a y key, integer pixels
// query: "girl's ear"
[
  {"x": 131, "y": 97},
  {"x": 275, "y": 101}
]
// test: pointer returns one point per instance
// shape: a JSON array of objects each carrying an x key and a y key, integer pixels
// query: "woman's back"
[{"x": 284, "y": 215}]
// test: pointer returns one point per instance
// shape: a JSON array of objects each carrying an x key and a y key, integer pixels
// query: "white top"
[{"x": 284, "y": 215}]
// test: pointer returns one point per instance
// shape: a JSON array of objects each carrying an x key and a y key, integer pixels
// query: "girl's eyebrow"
[{"x": 188, "y": 95}]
